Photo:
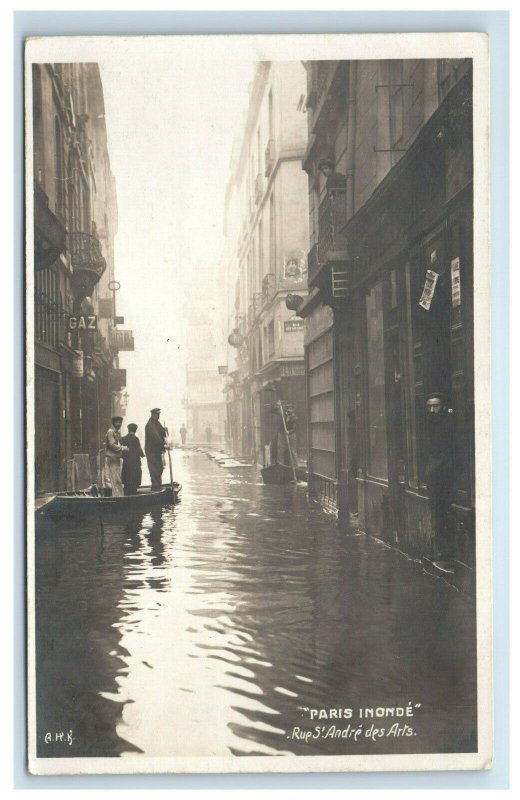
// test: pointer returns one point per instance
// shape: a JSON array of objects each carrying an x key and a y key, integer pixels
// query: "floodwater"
[{"x": 244, "y": 622}]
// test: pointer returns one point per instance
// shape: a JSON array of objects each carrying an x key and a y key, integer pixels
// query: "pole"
[{"x": 169, "y": 459}]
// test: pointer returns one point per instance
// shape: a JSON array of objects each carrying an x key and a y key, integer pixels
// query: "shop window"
[{"x": 377, "y": 444}]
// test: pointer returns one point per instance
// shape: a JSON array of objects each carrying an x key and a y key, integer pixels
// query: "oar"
[{"x": 170, "y": 462}]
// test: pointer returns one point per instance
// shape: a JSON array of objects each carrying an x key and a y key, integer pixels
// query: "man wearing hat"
[
  {"x": 154, "y": 447},
  {"x": 132, "y": 473},
  {"x": 114, "y": 450},
  {"x": 439, "y": 476}
]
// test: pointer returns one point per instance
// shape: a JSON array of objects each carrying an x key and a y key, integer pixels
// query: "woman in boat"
[{"x": 132, "y": 472}]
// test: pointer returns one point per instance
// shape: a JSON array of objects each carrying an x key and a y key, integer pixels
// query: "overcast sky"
[{"x": 171, "y": 127}]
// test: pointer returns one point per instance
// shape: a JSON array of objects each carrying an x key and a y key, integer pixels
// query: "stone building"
[
  {"x": 389, "y": 166},
  {"x": 266, "y": 231},
  {"x": 78, "y": 384},
  {"x": 204, "y": 400}
]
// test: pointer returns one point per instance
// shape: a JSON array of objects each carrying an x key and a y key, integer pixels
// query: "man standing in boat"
[
  {"x": 154, "y": 447},
  {"x": 132, "y": 472},
  {"x": 114, "y": 451}
]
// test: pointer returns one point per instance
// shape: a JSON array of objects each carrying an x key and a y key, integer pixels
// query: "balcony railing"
[
  {"x": 332, "y": 218},
  {"x": 86, "y": 254},
  {"x": 329, "y": 253},
  {"x": 269, "y": 158}
]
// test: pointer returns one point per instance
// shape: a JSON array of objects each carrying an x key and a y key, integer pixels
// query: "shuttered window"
[{"x": 321, "y": 407}]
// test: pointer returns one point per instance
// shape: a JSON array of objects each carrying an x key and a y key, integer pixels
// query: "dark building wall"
[
  {"x": 74, "y": 225},
  {"x": 408, "y": 209}
]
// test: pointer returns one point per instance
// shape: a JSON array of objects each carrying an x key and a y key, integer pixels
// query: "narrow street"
[{"x": 224, "y": 625}]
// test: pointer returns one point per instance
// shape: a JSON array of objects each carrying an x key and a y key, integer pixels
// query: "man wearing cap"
[
  {"x": 439, "y": 476},
  {"x": 132, "y": 473},
  {"x": 114, "y": 450},
  {"x": 154, "y": 447}
]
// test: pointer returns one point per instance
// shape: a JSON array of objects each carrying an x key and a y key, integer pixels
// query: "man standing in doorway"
[
  {"x": 114, "y": 450},
  {"x": 154, "y": 447},
  {"x": 209, "y": 434},
  {"x": 439, "y": 477}
]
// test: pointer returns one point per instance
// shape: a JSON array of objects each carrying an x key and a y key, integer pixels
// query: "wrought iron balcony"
[
  {"x": 331, "y": 248},
  {"x": 88, "y": 263},
  {"x": 86, "y": 253}
]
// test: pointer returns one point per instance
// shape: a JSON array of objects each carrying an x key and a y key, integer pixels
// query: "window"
[
  {"x": 377, "y": 446},
  {"x": 48, "y": 308}
]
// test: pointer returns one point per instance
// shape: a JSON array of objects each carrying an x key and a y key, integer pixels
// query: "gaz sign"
[{"x": 83, "y": 322}]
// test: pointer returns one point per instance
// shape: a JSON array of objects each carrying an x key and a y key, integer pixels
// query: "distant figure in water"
[
  {"x": 209, "y": 434},
  {"x": 132, "y": 472},
  {"x": 183, "y": 431}
]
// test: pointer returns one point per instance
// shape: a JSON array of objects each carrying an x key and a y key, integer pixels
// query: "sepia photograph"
[{"x": 258, "y": 403}]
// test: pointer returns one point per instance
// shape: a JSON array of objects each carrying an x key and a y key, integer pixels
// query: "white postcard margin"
[{"x": 296, "y": 47}]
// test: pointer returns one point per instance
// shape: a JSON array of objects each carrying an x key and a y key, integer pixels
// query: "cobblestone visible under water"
[{"x": 244, "y": 621}]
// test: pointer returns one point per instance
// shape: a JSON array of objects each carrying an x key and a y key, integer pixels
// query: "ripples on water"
[{"x": 212, "y": 628}]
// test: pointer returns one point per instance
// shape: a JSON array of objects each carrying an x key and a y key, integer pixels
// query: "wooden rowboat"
[{"x": 83, "y": 503}]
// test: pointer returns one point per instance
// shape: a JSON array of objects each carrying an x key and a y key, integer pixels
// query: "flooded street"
[{"x": 224, "y": 625}]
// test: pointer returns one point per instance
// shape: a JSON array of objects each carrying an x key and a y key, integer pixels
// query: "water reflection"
[{"x": 212, "y": 628}]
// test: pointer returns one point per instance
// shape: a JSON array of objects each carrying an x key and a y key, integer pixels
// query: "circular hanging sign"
[
  {"x": 235, "y": 338},
  {"x": 114, "y": 286}
]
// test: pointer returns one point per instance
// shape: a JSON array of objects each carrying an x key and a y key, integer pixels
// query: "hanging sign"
[
  {"x": 455, "y": 283},
  {"x": 429, "y": 289},
  {"x": 83, "y": 322},
  {"x": 77, "y": 364},
  {"x": 293, "y": 325}
]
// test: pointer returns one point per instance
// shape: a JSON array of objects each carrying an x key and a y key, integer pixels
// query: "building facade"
[
  {"x": 266, "y": 261},
  {"x": 204, "y": 400},
  {"x": 78, "y": 384},
  {"x": 389, "y": 166}
]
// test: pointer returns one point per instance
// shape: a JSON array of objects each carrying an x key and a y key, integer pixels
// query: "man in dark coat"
[
  {"x": 132, "y": 472},
  {"x": 154, "y": 447},
  {"x": 439, "y": 477}
]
